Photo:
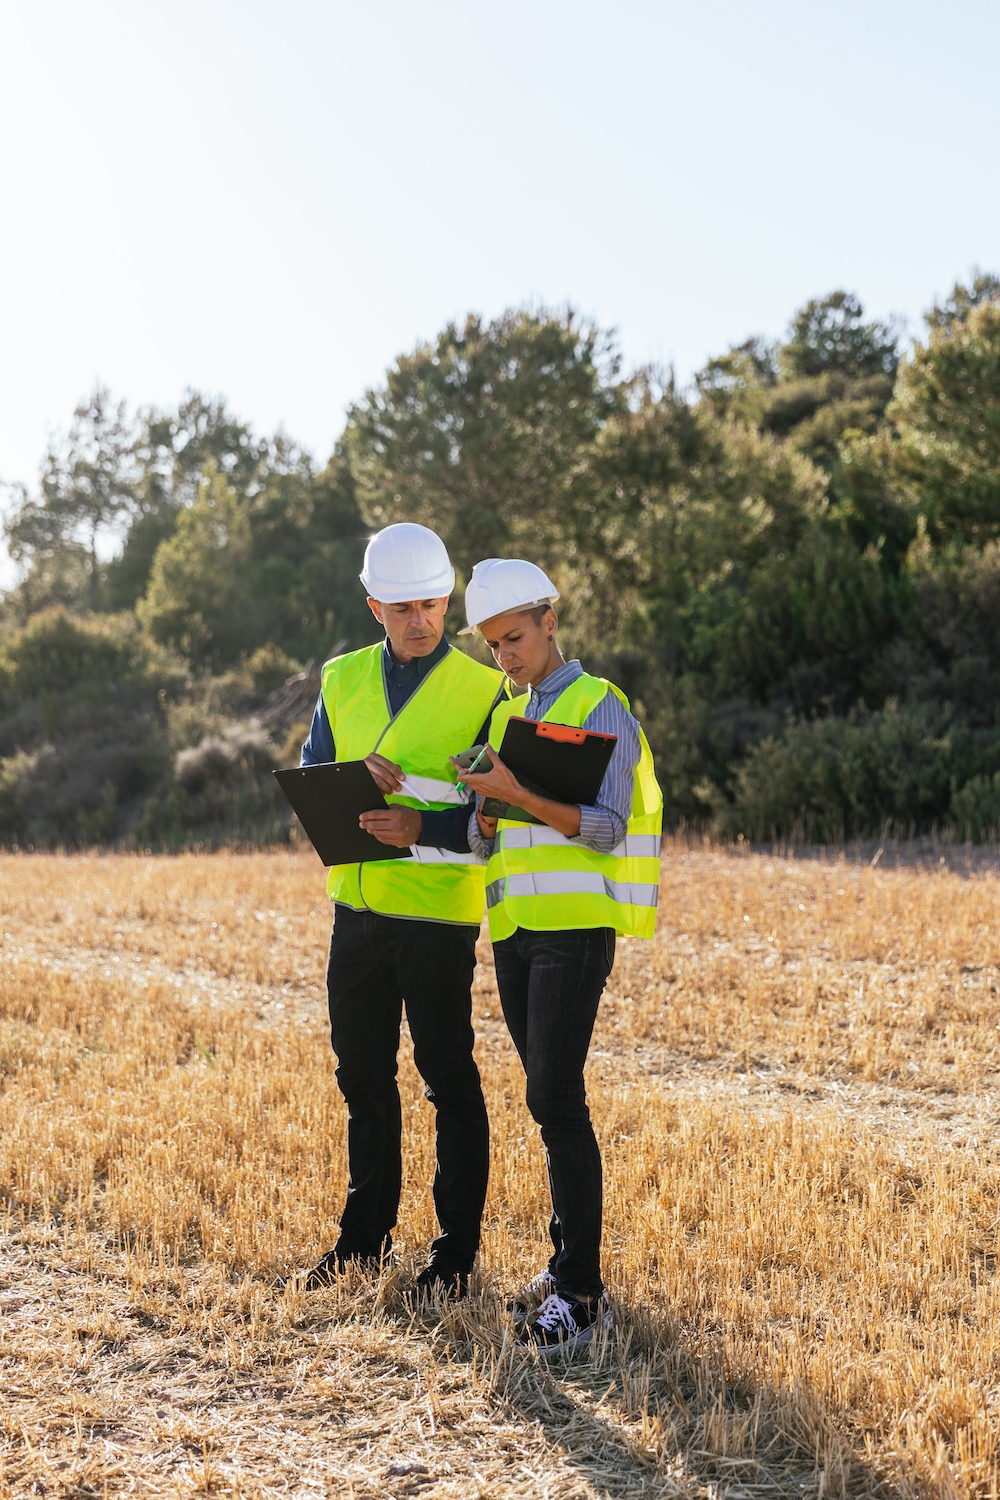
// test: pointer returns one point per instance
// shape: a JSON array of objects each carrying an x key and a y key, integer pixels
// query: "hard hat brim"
[
  {"x": 385, "y": 592},
  {"x": 511, "y": 609}
]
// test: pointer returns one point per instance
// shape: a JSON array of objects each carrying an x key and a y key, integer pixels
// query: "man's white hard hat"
[
  {"x": 406, "y": 561},
  {"x": 499, "y": 584}
]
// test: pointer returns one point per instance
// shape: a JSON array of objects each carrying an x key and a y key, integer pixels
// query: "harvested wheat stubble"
[{"x": 795, "y": 1089}]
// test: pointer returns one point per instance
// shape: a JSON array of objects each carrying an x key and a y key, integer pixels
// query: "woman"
[{"x": 558, "y": 891}]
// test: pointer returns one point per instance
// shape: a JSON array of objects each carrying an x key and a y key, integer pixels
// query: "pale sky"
[{"x": 272, "y": 201}]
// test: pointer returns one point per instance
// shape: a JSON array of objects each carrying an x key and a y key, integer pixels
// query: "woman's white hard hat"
[
  {"x": 500, "y": 584},
  {"x": 406, "y": 561}
]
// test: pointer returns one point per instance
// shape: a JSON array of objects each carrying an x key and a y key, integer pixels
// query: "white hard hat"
[
  {"x": 499, "y": 584},
  {"x": 407, "y": 561}
]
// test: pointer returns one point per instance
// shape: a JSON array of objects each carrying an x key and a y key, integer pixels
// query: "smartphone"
[{"x": 469, "y": 760}]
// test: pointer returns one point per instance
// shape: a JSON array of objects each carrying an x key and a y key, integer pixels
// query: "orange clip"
[{"x": 564, "y": 732}]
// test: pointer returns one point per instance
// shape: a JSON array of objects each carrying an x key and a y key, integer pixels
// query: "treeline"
[{"x": 793, "y": 568}]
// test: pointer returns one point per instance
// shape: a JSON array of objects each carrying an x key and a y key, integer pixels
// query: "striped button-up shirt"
[{"x": 603, "y": 825}]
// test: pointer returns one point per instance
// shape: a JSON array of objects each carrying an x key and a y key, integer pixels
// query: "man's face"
[
  {"x": 414, "y": 628},
  {"x": 520, "y": 647}
]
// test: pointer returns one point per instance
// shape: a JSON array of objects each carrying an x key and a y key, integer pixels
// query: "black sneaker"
[
  {"x": 334, "y": 1264},
  {"x": 565, "y": 1324},
  {"x": 526, "y": 1302},
  {"x": 433, "y": 1282}
]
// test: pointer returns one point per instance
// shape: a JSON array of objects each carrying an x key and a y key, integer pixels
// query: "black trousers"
[
  {"x": 550, "y": 987},
  {"x": 378, "y": 964}
]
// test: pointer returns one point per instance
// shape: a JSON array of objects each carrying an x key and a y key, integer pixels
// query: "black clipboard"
[
  {"x": 552, "y": 760},
  {"x": 328, "y": 800}
]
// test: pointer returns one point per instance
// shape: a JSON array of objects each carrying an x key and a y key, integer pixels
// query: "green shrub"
[
  {"x": 82, "y": 720},
  {"x": 975, "y": 809},
  {"x": 221, "y": 793},
  {"x": 840, "y": 778}
]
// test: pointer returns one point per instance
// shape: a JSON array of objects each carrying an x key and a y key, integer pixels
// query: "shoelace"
[{"x": 555, "y": 1312}]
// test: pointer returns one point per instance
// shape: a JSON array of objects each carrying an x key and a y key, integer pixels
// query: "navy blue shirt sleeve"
[
  {"x": 319, "y": 749},
  {"x": 447, "y": 829}
]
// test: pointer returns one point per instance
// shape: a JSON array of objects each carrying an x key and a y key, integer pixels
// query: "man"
[
  {"x": 405, "y": 929},
  {"x": 557, "y": 891}
]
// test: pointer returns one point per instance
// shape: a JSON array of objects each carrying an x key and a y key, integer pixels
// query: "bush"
[
  {"x": 243, "y": 747},
  {"x": 975, "y": 809},
  {"x": 840, "y": 778},
  {"x": 221, "y": 793},
  {"x": 82, "y": 710}
]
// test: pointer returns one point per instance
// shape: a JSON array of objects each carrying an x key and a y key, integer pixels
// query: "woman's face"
[{"x": 520, "y": 647}]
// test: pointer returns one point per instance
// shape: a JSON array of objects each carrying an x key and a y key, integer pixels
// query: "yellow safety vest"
[
  {"x": 540, "y": 879},
  {"x": 441, "y": 718}
]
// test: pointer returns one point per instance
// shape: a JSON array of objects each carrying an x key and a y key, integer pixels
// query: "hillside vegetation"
[{"x": 793, "y": 569}]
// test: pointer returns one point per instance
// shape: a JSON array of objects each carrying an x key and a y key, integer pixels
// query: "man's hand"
[
  {"x": 388, "y": 776},
  {"x": 398, "y": 826}
]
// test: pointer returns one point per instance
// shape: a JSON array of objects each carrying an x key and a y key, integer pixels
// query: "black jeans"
[
  {"x": 378, "y": 964},
  {"x": 550, "y": 987}
]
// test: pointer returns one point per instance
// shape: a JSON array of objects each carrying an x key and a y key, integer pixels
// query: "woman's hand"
[{"x": 500, "y": 782}]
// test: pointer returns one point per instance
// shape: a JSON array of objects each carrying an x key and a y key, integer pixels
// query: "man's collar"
[{"x": 423, "y": 664}]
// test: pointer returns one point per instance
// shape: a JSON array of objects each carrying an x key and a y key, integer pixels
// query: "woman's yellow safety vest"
[
  {"x": 441, "y": 718},
  {"x": 540, "y": 879}
]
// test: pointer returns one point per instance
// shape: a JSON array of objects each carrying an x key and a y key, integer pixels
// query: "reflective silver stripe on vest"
[
  {"x": 433, "y": 790},
  {"x": 638, "y": 846},
  {"x": 425, "y": 855},
  {"x": 632, "y": 846},
  {"x": 570, "y": 883},
  {"x": 532, "y": 837}
]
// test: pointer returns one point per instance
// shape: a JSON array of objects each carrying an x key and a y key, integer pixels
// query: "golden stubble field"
[{"x": 796, "y": 1093}]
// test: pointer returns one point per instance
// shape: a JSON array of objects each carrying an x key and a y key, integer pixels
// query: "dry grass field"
[{"x": 796, "y": 1092}]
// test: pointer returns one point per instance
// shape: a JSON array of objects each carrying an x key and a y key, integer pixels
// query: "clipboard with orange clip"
[{"x": 552, "y": 760}]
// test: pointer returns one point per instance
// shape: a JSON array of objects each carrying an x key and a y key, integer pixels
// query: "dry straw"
[{"x": 795, "y": 1093}]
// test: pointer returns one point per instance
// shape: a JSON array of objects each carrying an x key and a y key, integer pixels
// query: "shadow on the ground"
[{"x": 640, "y": 1416}]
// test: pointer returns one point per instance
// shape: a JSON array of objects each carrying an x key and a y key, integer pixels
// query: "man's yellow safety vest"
[
  {"x": 540, "y": 879},
  {"x": 441, "y": 718}
]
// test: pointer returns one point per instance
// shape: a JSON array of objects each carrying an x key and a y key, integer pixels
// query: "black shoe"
[
  {"x": 433, "y": 1282},
  {"x": 526, "y": 1302},
  {"x": 565, "y": 1324},
  {"x": 334, "y": 1264}
]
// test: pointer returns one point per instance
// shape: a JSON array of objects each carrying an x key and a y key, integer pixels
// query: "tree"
[
  {"x": 87, "y": 493},
  {"x": 198, "y": 598},
  {"x": 829, "y": 334},
  {"x": 278, "y": 566},
  {"x": 984, "y": 287},
  {"x": 171, "y": 451},
  {"x": 832, "y": 376},
  {"x": 947, "y": 410},
  {"x": 484, "y": 435},
  {"x": 736, "y": 384}
]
